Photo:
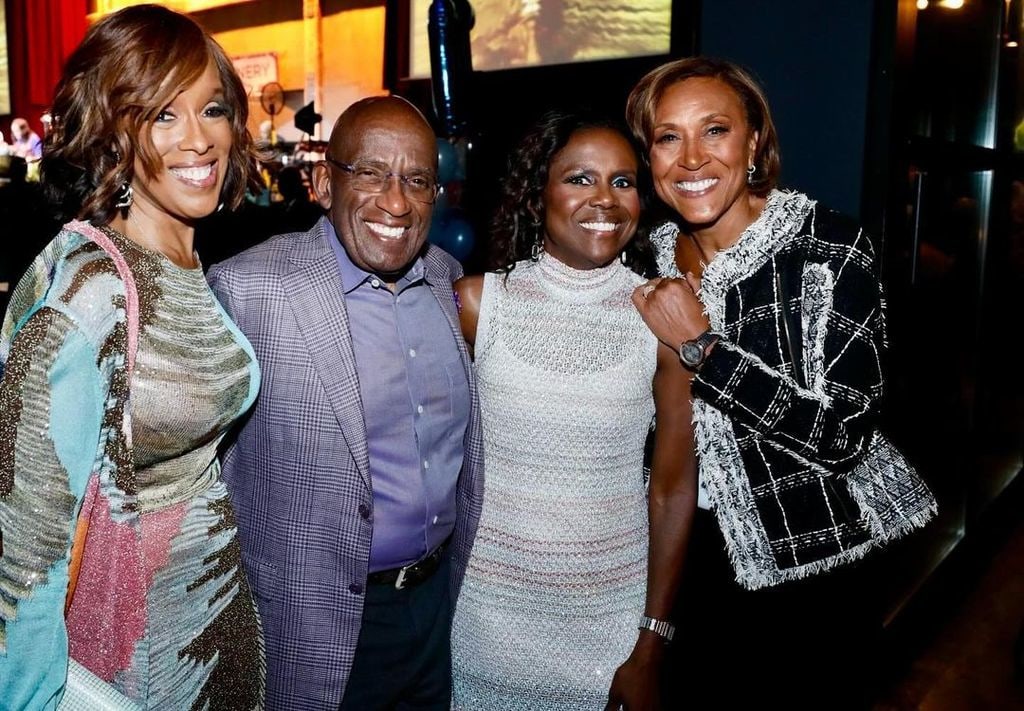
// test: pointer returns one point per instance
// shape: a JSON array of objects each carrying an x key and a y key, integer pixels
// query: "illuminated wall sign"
[
  {"x": 105, "y": 7},
  {"x": 256, "y": 70}
]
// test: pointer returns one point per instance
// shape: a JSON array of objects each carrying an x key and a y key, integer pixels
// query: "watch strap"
[
  {"x": 701, "y": 342},
  {"x": 662, "y": 628},
  {"x": 705, "y": 339}
]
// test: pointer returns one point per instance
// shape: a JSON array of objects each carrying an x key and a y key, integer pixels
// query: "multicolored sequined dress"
[
  {"x": 162, "y": 609},
  {"x": 557, "y": 578}
]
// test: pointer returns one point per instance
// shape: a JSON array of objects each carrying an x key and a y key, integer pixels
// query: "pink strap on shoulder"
[{"x": 130, "y": 292}]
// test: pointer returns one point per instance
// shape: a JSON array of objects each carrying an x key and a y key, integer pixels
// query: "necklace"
[
  {"x": 704, "y": 260},
  {"x": 155, "y": 247},
  {"x": 138, "y": 228}
]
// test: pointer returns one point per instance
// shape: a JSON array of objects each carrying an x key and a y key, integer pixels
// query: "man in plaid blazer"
[{"x": 357, "y": 479}]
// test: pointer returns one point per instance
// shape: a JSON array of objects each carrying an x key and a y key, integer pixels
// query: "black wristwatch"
[{"x": 691, "y": 353}]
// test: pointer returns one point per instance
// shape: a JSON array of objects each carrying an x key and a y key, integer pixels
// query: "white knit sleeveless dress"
[{"x": 558, "y": 574}]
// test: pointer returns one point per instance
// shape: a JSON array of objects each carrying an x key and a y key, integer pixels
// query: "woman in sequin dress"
[
  {"x": 565, "y": 563},
  {"x": 121, "y": 374}
]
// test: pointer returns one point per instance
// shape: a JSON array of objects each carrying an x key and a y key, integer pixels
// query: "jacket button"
[
  {"x": 355, "y": 589},
  {"x": 364, "y": 510}
]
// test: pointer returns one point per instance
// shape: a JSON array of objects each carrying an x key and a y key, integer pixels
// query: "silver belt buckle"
[{"x": 400, "y": 580}]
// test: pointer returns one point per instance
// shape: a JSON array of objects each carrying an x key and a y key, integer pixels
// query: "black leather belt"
[{"x": 412, "y": 574}]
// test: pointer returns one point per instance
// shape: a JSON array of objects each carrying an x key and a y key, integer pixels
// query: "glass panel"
[
  {"x": 954, "y": 72},
  {"x": 999, "y": 423},
  {"x": 934, "y": 282},
  {"x": 1014, "y": 108},
  {"x": 999, "y": 428}
]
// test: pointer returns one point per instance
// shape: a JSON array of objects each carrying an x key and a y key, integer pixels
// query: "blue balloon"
[
  {"x": 439, "y": 215},
  {"x": 442, "y": 204},
  {"x": 455, "y": 235},
  {"x": 447, "y": 162},
  {"x": 461, "y": 146}
]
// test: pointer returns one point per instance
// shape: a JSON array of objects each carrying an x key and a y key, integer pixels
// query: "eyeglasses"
[{"x": 371, "y": 179}]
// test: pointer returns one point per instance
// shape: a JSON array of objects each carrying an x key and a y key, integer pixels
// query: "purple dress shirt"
[
  {"x": 30, "y": 147},
  {"x": 416, "y": 408}
]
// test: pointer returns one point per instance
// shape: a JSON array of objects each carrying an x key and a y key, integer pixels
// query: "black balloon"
[{"x": 451, "y": 62}]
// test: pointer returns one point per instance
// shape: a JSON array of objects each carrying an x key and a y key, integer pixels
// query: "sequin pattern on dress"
[{"x": 162, "y": 609}]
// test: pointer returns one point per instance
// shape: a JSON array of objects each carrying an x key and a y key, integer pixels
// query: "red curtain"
[{"x": 42, "y": 34}]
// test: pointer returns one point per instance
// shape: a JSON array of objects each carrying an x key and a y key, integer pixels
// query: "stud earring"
[{"x": 123, "y": 198}]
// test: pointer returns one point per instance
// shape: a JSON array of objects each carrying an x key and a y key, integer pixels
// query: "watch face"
[{"x": 691, "y": 353}]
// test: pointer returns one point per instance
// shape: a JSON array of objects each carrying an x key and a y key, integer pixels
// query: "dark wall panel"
[{"x": 813, "y": 59}]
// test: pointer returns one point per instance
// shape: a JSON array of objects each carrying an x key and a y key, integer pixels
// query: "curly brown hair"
[
  {"x": 518, "y": 223},
  {"x": 643, "y": 102},
  {"x": 129, "y": 66}
]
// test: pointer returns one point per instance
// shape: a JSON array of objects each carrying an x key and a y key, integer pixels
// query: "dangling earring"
[
  {"x": 538, "y": 241},
  {"x": 624, "y": 258},
  {"x": 750, "y": 175},
  {"x": 123, "y": 198}
]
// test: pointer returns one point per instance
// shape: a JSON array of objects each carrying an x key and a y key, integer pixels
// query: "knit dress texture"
[{"x": 557, "y": 578}]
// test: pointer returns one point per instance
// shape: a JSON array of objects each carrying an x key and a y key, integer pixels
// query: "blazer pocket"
[{"x": 264, "y": 580}]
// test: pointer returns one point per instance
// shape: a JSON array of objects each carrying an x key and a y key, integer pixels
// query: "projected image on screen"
[
  {"x": 525, "y": 33},
  {"x": 5, "y": 91}
]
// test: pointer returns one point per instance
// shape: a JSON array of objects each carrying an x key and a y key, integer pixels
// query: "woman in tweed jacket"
[{"x": 776, "y": 306}]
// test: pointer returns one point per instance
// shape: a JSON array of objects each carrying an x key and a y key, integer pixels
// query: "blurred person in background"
[{"x": 25, "y": 142}]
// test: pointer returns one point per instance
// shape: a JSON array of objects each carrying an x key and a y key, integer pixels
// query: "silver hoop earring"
[
  {"x": 750, "y": 175},
  {"x": 538, "y": 239},
  {"x": 535, "y": 251},
  {"x": 123, "y": 198}
]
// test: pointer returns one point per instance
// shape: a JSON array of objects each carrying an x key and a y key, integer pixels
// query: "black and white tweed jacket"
[{"x": 774, "y": 456}]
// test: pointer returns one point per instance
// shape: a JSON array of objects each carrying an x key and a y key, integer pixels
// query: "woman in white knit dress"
[{"x": 567, "y": 594}]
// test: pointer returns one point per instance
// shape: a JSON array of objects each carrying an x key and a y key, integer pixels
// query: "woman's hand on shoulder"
[
  {"x": 468, "y": 291},
  {"x": 671, "y": 309}
]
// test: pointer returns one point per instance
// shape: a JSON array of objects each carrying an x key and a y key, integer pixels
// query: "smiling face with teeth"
[
  {"x": 591, "y": 203},
  {"x": 192, "y": 138},
  {"x": 382, "y": 232},
  {"x": 701, "y": 147}
]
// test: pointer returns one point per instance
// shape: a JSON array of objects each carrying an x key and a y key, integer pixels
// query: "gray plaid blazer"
[{"x": 298, "y": 470}]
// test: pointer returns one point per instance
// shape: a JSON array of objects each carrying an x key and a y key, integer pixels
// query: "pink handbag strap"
[
  {"x": 130, "y": 291},
  {"x": 132, "y": 308}
]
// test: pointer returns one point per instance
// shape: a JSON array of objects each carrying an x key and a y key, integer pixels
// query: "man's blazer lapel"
[
  {"x": 440, "y": 280},
  {"x": 313, "y": 285}
]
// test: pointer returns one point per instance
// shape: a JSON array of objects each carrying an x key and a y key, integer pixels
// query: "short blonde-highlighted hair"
[{"x": 643, "y": 103}]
